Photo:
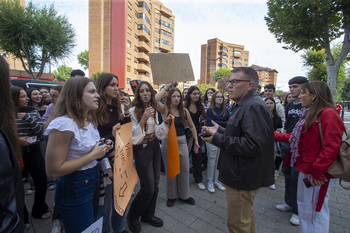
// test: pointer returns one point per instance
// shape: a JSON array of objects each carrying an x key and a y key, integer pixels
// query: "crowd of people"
[{"x": 239, "y": 136}]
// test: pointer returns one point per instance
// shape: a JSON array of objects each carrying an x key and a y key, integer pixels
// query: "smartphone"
[
  {"x": 307, "y": 182},
  {"x": 204, "y": 134},
  {"x": 31, "y": 139}
]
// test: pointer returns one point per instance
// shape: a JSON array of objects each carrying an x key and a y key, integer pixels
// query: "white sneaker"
[
  {"x": 211, "y": 187},
  {"x": 284, "y": 208},
  {"x": 294, "y": 220},
  {"x": 272, "y": 187},
  {"x": 200, "y": 186},
  {"x": 56, "y": 226},
  {"x": 31, "y": 191},
  {"x": 219, "y": 185},
  {"x": 51, "y": 187},
  {"x": 276, "y": 174}
]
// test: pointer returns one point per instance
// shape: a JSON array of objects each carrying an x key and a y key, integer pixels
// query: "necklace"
[{"x": 110, "y": 108}]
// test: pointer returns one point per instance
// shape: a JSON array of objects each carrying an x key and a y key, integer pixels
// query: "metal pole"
[
  {"x": 214, "y": 71},
  {"x": 344, "y": 95}
]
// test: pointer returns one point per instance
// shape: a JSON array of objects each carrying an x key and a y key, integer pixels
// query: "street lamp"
[
  {"x": 344, "y": 95},
  {"x": 214, "y": 65}
]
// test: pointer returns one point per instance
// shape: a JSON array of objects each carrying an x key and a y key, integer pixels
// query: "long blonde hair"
[{"x": 69, "y": 103}]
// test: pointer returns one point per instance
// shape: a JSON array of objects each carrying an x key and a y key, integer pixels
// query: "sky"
[{"x": 196, "y": 21}]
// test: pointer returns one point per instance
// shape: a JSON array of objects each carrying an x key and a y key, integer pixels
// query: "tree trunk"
[{"x": 332, "y": 76}]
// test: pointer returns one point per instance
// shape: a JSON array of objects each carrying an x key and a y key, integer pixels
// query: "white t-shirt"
[{"x": 84, "y": 139}]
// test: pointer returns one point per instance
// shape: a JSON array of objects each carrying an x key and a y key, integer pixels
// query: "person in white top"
[
  {"x": 146, "y": 133},
  {"x": 73, "y": 147}
]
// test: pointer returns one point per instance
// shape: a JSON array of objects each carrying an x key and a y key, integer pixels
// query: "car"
[{"x": 37, "y": 83}]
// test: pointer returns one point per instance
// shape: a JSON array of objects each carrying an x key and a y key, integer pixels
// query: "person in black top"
[
  {"x": 113, "y": 111},
  {"x": 197, "y": 112},
  {"x": 290, "y": 173},
  {"x": 179, "y": 185}
]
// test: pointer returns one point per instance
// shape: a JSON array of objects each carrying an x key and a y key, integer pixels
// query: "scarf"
[{"x": 294, "y": 138}]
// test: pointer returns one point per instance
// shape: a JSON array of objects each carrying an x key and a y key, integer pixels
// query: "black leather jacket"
[
  {"x": 11, "y": 189},
  {"x": 247, "y": 145}
]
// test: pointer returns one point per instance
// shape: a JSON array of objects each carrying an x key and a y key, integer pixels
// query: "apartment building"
[
  {"x": 266, "y": 75},
  {"x": 123, "y": 33},
  {"x": 217, "y": 54}
]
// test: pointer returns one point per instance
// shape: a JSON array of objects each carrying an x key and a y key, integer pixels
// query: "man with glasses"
[
  {"x": 290, "y": 173},
  {"x": 246, "y": 161}
]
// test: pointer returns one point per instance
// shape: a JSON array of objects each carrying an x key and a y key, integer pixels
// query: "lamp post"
[
  {"x": 344, "y": 96},
  {"x": 214, "y": 65}
]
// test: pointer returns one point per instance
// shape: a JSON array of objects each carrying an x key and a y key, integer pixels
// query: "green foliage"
[
  {"x": 222, "y": 73},
  {"x": 204, "y": 87},
  {"x": 95, "y": 75},
  {"x": 34, "y": 35},
  {"x": 312, "y": 24},
  {"x": 63, "y": 73},
  {"x": 83, "y": 59},
  {"x": 315, "y": 62}
]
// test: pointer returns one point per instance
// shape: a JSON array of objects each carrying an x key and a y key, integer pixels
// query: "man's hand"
[{"x": 210, "y": 130}]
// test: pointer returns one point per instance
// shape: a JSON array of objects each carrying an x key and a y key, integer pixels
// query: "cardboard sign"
[
  {"x": 96, "y": 227},
  {"x": 125, "y": 177},
  {"x": 168, "y": 67},
  {"x": 133, "y": 84}
]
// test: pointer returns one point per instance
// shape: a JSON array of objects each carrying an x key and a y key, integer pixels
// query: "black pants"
[
  {"x": 197, "y": 162},
  {"x": 147, "y": 161},
  {"x": 35, "y": 164}
]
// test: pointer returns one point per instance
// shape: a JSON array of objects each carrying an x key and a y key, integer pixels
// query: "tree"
[
  {"x": 315, "y": 62},
  {"x": 312, "y": 24},
  {"x": 204, "y": 87},
  {"x": 63, "y": 73},
  {"x": 35, "y": 36},
  {"x": 95, "y": 75},
  {"x": 222, "y": 73},
  {"x": 83, "y": 59}
]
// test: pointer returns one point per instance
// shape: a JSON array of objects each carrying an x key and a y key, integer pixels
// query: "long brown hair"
[
  {"x": 101, "y": 83},
  {"x": 7, "y": 113},
  {"x": 323, "y": 100},
  {"x": 179, "y": 107},
  {"x": 198, "y": 104},
  {"x": 69, "y": 103},
  {"x": 212, "y": 105},
  {"x": 138, "y": 104}
]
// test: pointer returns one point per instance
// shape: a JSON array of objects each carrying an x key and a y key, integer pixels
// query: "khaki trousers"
[{"x": 240, "y": 213}]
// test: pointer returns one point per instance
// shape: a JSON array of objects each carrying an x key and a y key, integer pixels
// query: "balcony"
[
  {"x": 142, "y": 34},
  {"x": 143, "y": 46},
  {"x": 143, "y": 57},
  {"x": 143, "y": 68},
  {"x": 165, "y": 48},
  {"x": 144, "y": 77},
  {"x": 165, "y": 11}
]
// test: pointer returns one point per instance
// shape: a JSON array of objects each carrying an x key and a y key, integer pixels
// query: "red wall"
[{"x": 118, "y": 40}]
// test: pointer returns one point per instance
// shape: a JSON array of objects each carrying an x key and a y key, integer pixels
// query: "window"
[
  {"x": 128, "y": 68},
  {"x": 156, "y": 30},
  {"x": 245, "y": 59},
  {"x": 166, "y": 33},
  {"x": 156, "y": 21},
  {"x": 165, "y": 42},
  {"x": 165, "y": 24},
  {"x": 223, "y": 48},
  {"x": 142, "y": 26},
  {"x": 222, "y": 65},
  {"x": 237, "y": 63},
  {"x": 237, "y": 52},
  {"x": 223, "y": 54},
  {"x": 136, "y": 38},
  {"x": 128, "y": 56},
  {"x": 128, "y": 43},
  {"x": 156, "y": 40},
  {"x": 143, "y": 16},
  {"x": 157, "y": 11},
  {"x": 224, "y": 59},
  {"x": 143, "y": 4},
  {"x": 135, "y": 71},
  {"x": 129, "y": 19},
  {"x": 156, "y": 50}
]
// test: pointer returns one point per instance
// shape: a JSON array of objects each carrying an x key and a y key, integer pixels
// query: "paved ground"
[{"x": 209, "y": 213}]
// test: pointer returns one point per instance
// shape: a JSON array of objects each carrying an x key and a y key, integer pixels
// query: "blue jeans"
[
  {"x": 77, "y": 197},
  {"x": 105, "y": 212}
]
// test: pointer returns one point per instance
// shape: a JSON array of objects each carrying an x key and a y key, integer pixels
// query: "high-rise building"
[
  {"x": 217, "y": 54},
  {"x": 123, "y": 33},
  {"x": 266, "y": 75}
]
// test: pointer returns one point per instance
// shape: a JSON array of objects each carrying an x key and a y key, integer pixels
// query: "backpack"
[{"x": 341, "y": 166}]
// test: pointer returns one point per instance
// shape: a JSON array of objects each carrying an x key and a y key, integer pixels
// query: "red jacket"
[{"x": 313, "y": 158}]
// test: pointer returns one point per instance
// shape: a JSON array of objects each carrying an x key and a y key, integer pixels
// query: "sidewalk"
[{"x": 209, "y": 212}]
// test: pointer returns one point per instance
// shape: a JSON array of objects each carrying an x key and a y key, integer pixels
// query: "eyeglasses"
[{"x": 234, "y": 82}]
